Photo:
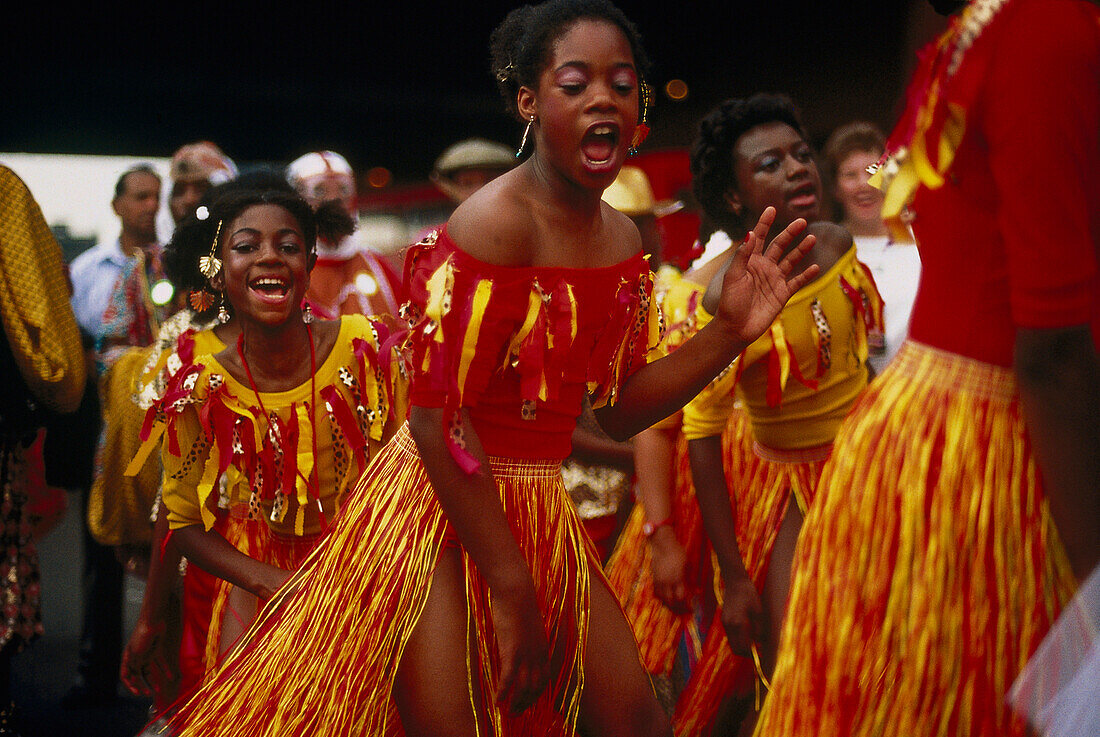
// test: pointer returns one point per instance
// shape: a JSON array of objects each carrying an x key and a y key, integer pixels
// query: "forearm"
[
  {"x": 214, "y": 554},
  {"x": 471, "y": 503},
  {"x": 163, "y": 570},
  {"x": 1059, "y": 380},
  {"x": 654, "y": 452},
  {"x": 596, "y": 448},
  {"x": 664, "y": 386},
  {"x": 715, "y": 505}
]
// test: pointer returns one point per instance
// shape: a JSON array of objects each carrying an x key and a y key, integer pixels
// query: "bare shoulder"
[
  {"x": 495, "y": 224},
  {"x": 832, "y": 242},
  {"x": 623, "y": 239},
  {"x": 832, "y": 239}
]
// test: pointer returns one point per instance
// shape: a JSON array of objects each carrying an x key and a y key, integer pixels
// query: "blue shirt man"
[{"x": 95, "y": 272}]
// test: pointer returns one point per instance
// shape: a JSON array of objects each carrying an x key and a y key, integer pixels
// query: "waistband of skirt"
[
  {"x": 792, "y": 455},
  {"x": 953, "y": 372},
  {"x": 501, "y": 467}
]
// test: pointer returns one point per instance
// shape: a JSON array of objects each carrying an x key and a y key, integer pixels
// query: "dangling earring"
[
  {"x": 526, "y": 132},
  {"x": 307, "y": 314},
  {"x": 223, "y": 313},
  {"x": 642, "y": 129}
]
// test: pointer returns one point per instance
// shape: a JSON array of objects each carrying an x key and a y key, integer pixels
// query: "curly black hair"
[
  {"x": 521, "y": 45},
  {"x": 712, "y": 165},
  {"x": 194, "y": 236}
]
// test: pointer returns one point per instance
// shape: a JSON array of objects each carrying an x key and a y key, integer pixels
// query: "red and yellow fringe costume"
[
  {"x": 322, "y": 658},
  {"x": 920, "y": 602},
  {"x": 820, "y": 340},
  {"x": 658, "y": 630},
  {"x": 234, "y": 470},
  {"x": 928, "y": 568}
]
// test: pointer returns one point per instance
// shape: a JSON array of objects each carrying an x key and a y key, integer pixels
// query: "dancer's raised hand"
[{"x": 758, "y": 281}]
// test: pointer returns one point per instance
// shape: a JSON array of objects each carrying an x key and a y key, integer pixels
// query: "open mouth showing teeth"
[
  {"x": 270, "y": 286},
  {"x": 599, "y": 143}
]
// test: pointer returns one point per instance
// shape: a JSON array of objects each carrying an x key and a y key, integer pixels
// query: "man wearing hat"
[{"x": 468, "y": 165}]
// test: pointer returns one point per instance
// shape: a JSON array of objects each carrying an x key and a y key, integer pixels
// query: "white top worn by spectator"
[{"x": 896, "y": 269}]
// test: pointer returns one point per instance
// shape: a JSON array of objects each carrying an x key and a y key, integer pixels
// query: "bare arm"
[
  {"x": 147, "y": 666},
  {"x": 213, "y": 553},
  {"x": 742, "y": 611},
  {"x": 1059, "y": 379},
  {"x": 755, "y": 288},
  {"x": 591, "y": 444},
  {"x": 654, "y": 456},
  {"x": 472, "y": 505}
]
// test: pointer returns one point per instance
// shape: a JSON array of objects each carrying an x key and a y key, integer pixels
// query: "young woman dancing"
[
  {"x": 457, "y": 592},
  {"x": 796, "y": 383},
  {"x": 262, "y": 439}
]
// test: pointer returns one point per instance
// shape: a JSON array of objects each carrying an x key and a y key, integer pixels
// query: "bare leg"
[
  {"x": 431, "y": 689},
  {"x": 777, "y": 589},
  {"x": 618, "y": 698}
]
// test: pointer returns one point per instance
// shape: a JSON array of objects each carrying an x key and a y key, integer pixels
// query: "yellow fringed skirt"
[
  {"x": 322, "y": 657},
  {"x": 232, "y": 611},
  {"x": 928, "y": 568},
  {"x": 762, "y": 493}
]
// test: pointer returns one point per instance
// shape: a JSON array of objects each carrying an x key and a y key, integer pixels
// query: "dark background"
[{"x": 391, "y": 84}]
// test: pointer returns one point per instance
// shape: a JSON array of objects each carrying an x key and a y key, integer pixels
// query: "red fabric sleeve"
[{"x": 1040, "y": 116}]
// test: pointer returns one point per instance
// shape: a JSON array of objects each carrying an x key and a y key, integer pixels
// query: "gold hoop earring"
[{"x": 526, "y": 132}]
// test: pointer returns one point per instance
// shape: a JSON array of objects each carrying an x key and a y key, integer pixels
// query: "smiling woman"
[{"x": 265, "y": 437}]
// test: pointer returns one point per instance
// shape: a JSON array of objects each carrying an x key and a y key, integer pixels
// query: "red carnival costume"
[
  {"x": 518, "y": 348},
  {"x": 928, "y": 568}
]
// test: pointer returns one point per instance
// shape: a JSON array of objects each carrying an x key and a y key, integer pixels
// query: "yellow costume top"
[
  {"x": 213, "y": 426},
  {"x": 820, "y": 341}
]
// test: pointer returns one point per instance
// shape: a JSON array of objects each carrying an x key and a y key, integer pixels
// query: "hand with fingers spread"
[
  {"x": 742, "y": 614},
  {"x": 758, "y": 281},
  {"x": 522, "y": 646},
  {"x": 668, "y": 563}
]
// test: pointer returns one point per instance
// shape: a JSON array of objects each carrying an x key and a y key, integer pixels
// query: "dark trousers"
[{"x": 101, "y": 633}]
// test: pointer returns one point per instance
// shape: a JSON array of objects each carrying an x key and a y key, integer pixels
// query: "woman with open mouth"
[
  {"x": 457, "y": 592},
  {"x": 279, "y": 424},
  {"x": 795, "y": 384}
]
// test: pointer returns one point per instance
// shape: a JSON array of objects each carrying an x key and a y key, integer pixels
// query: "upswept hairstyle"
[
  {"x": 193, "y": 237},
  {"x": 520, "y": 47},
  {"x": 712, "y": 169}
]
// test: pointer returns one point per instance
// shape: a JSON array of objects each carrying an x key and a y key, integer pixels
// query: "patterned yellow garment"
[
  {"x": 213, "y": 425},
  {"x": 827, "y": 377},
  {"x": 34, "y": 300}
]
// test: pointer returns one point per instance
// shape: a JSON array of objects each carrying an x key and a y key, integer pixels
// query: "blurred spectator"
[
  {"x": 347, "y": 278},
  {"x": 195, "y": 168},
  {"x": 895, "y": 266},
  {"x": 98, "y": 276},
  {"x": 467, "y": 166}
]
